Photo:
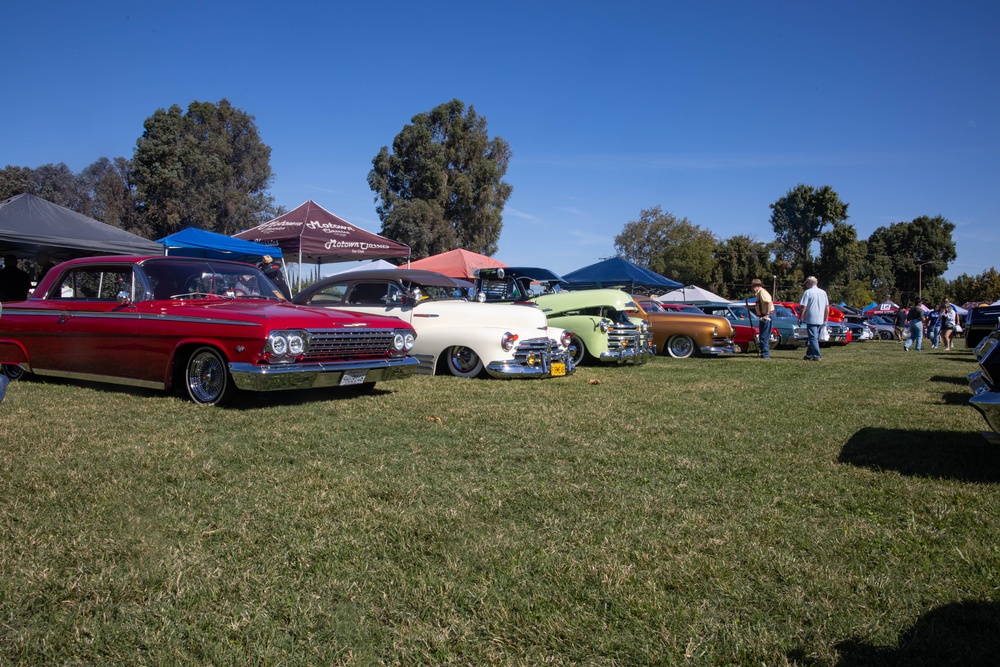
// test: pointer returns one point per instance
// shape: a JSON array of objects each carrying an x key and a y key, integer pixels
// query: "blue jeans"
[
  {"x": 916, "y": 334},
  {"x": 934, "y": 333},
  {"x": 812, "y": 346},
  {"x": 765, "y": 339}
]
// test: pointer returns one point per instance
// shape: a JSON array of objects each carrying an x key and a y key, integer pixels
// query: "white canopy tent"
[{"x": 691, "y": 294}]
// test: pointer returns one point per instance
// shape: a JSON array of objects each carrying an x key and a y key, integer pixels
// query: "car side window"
[
  {"x": 368, "y": 294},
  {"x": 333, "y": 293},
  {"x": 95, "y": 283}
]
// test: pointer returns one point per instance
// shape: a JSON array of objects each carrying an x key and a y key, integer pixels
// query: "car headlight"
[
  {"x": 507, "y": 341},
  {"x": 565, "y": 338},
  {"x": 277, "y": 344},
  {"x": 605, "y": 325},
  {"x": 288, "y": 344}
]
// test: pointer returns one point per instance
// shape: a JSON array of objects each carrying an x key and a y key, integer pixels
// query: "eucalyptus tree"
[
  {"x": 442, "y": 185},
  {"x": 205, "y": 168}
]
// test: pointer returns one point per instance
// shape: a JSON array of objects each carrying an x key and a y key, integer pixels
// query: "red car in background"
[{"x": 836, "y": 314}]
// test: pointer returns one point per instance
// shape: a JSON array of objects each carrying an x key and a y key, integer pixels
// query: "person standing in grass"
[
  {"x": 815, "y": 312},
  {"x": 934, "y": 326},
  {"x": 764, "y": 307},
  {"x": 900, "y": 323},
  {"x": 948, "y": 319},
  {"x": 915, "y": 320}
]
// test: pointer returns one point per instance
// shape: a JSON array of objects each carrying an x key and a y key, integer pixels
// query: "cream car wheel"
[{"x": 463, "y": 362}]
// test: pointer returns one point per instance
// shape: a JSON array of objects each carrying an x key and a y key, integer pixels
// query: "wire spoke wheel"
[{"x": 207, "y": 377}]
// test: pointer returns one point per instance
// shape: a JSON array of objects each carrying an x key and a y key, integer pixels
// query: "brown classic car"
[{"x": 682, "y": 335}]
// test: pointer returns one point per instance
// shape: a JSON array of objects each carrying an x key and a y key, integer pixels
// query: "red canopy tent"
[
  {"x": 457, "y": 263},
  {"x": 317, "y": 236}
]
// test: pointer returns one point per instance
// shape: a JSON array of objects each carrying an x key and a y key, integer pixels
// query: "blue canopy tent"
[
  {"x": 193, "y": 242},
  {"x": 618, "y": 273}
]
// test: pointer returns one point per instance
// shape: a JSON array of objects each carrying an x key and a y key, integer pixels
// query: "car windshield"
[
  {"x": 200, "y": 279},
  {"x": 439, "y": 292},
  {"x": 783, "y": 311}
]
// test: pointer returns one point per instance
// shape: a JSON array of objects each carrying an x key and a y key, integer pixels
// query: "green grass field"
[{"x": 698, "y": 512}]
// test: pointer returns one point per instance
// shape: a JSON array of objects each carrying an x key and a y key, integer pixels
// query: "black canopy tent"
[{"x": 29, "y": 224}]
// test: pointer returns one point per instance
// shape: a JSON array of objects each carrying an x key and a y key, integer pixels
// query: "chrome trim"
[
  {"x": 251, "y": 377},
  {"x": 718, "y": 350},
  {"x": 547, "y": 352},
  {"x": 94, "y": 377},
  {"x": 988, "y": 404}
]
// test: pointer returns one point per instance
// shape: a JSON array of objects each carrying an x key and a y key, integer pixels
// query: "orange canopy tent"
[{"x": 456, "y": 263}]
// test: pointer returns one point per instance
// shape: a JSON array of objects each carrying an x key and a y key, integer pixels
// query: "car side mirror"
[{"x": 124, "y": 299}]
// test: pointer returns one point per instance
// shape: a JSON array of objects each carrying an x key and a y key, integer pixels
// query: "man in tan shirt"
[{"x": 764, "y": 309}]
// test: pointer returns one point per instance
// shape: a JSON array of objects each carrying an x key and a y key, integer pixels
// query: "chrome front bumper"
[
  {"x": 532, "y": 359},
  {"x": 719, "y": 350},
  {"x": 274, "y": 377}
]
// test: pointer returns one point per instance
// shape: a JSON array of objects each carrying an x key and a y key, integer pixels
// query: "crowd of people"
[{"x": 938, "y": 324}]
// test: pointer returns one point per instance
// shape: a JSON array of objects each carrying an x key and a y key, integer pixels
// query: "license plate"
[
  {"x": 558, "y": 369},
  {"x": 349, "y": 378}
]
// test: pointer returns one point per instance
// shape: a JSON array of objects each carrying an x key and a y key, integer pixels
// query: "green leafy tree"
[
  {"x": 673, "y": 248},
  {"x": 15, "y": 181},
  {"x": 913, "y": 252},
  {"x": 111, "y": 194},
  {"x": 740, "y": 259},
  {"x": 984, "y": 288},
  {"x": 800, "y": 217},
  {"x": 442, "y": 185},
  {"x": 841, "y": 260},
  {"x": 206, "y": 168}
]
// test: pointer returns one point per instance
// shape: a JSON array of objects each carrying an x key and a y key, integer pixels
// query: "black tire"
[
  {"x": 206, "y": 377},
  {"x": 680, "y": 346},
  {"x": 12, "y": 371},
  {"x": 577, "y": 350},
  {"x": 886, "y": 335},
  {"x": 463, "y": 362}
]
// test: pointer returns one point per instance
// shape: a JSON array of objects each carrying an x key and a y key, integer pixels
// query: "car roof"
[
  {"x": 532, "y": 272},
  {"x": 408, "y": 275}
]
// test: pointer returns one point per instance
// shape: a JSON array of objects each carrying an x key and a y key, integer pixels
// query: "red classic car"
[{"x": 209, "y": 326}]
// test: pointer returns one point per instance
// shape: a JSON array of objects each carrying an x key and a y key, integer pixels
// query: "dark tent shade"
[
  {"x": 312, "y": 234},
  {"x": 194, "y": 242},
  {"x": 618, "y": 273},
  {"x": 29, "y": 224}
]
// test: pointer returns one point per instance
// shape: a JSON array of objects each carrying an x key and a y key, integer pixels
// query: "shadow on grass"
[
  {"x": 241, "y": 400},
  {"x": 955, "y": 455},
  {"x": 963, "y": 633},
  {"x": 951, "y": 379}
]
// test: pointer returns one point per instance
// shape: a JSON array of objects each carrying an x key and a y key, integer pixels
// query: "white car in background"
[{"x": 454, "y": 335}]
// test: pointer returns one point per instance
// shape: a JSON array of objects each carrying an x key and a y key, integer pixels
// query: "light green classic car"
[{"x": 604, "y": 324}]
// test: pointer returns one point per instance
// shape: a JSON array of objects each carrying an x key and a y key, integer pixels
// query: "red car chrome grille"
[{"x": 349, "y": 343}]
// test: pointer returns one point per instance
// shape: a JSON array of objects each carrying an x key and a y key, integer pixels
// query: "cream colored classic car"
[{"x": 454, "y": 335}]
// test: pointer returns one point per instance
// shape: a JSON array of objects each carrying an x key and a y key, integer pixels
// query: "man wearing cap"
[
  {"x": 764, "y": 307},
  {"x": 815, "y": 312}
]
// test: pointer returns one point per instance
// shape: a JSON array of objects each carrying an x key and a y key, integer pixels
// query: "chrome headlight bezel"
[
  {"x": 287, "y": 345},
  {"x": 508, "y": 341}
]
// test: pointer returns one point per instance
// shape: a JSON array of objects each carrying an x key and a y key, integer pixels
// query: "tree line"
[
  {"x": 441, "y": 187},
  {"x": 904, "y": 261}
]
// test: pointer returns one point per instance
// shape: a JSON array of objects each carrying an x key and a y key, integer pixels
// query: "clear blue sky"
[{"x": 711, "y": 110}]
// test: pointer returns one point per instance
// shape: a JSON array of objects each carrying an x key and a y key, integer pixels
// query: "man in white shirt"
[{"x": 814, "y": 313}]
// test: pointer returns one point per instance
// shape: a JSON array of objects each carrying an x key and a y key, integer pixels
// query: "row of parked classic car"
[{"x": 210, "y": 327}]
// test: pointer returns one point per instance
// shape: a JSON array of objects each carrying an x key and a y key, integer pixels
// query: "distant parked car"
[
  {"x": 455, "y": 336},
  {"x": 682, "y": 335},
  {"x": 980, "y": 322},
  {"x": 791, "y": 333},
  {"x": 679, "y": 307},
  {"x": 208, "y": 327},
  {"x": 603, "y": 323}
]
